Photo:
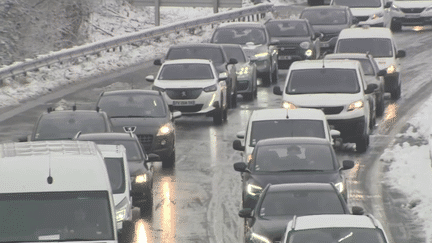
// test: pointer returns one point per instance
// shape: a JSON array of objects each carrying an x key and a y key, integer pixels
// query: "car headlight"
[
  {"x": 253, "y": 189},
  {"x": 308, "y": 53},
  {"x": 340, "y": 186},
  {"x": 121, "y": 210},
  {"x": 356, "y": 105},
  {"x": 391, "y": 69},
  {"x": 243, "y": 71},
  {"x": 428, "y": 8},
  {"x": 256, "y": 238},
  {"x": 262, "y": 54},
  {"x": 141, "y": 179},
  {"x": 305, "y": 45},
  {"x": 158, "y": 88},
  {"x": 212, "y": 88},
  {"x": 288, "y": 105},
  {"x": 165, "y": 129},
  {"x": 377, "y": 15},
  {"x": 395, "y": 8}
]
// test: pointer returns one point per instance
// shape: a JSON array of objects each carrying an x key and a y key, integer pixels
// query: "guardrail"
[{"x": 253, "y": 13}]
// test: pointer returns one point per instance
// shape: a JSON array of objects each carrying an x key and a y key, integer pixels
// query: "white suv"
[
  {"x": 378, "y": 42},
  {"x": 194, "y": 87},
  {"x": 280, "y": 122},
  {"x": 410, "y": 13},
  {"x": 369, "y": 12},
  {"x": 338, "y": 87}
]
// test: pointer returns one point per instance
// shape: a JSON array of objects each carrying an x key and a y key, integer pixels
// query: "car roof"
[
  {"x": 301, "y": 186},
  {"x": 348, "y": 55},
  {"x": 287, "y": 20},
  {"x": 132, "y": 91},
  {"x": 365, "y": 32},
  {"x": 107, "y": 136},
  {"x": 333, "y": 220},
  {"x": 292, "y": 140},
  {"x": 281, "y": 114},
  {"x": 315, "y": 64},
  {"x": 176, "y": 61},
  {"x": 242, "y": 24},
  {"x": 329, "y": 7},
  {"x": 208, "y": 45}
]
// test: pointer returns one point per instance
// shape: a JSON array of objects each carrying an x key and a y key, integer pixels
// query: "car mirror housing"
[
  {"x": 241, "y": 134},
  {"x": 277, "y": 90},
  {"x": 371, "y": 88},
  {"x": 176, "y": 114},
  {"x": 157, "y": 62},
  {"x": 356, "y": 210},
  {"x": 400, "y": 53},
  {"x": 246, "y": 213},
  {"x": 150, "y": 78},
  {"x": 232, "y": 61},
  {"x": 152, "y": 158},
  {"x": 382, "y": 72},
  {"x": 335, "y": 133},
  {"x": 240, "y": 167},
  {"x": 237, "y": 145},
  {"x": 347, "y": 164}
]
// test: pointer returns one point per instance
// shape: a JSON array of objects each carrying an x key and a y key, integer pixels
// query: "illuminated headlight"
[
  {"x": 396, "y": 8},
  {"x": 308, "y": 53},
  {"x": 288, "y": 105},
  {"x": 340, "y": 186},
  {"x": 158, "y": 89},
  {"x": 223, "y": 75},
  {"x": 249, "y": 158},
  {"x": 253, "y": 189},
  {"x": 141, "y": 179},
  {"x": 391, "y": 69},
  {"x": 256, "y": 238},
  {"x": 121, "y": 210},
  {"x": 243, "y": 71},
  {"x": 165, "y": 129},
  {"x": 305, "y": 45},
  {"x": 210, "y": 88},
  {"x": 262, "y": 54},
  {"x": 377, "y": 15},
  {"x": 356, "y": 105}
]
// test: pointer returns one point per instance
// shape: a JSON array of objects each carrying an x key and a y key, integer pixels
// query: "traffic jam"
[{"x": 266, "y": 132}]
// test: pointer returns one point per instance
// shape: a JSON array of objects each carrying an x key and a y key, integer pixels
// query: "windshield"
[
  {"x": 323, "y": 80},
  {"x": 235, "y": 52},
  {"x": 186, "y": 71},
  {"x": 300, "y": 157},
  {"x": 54, "y": 216},
  {"x": 325, "y": 17},
  {"x": 66, "y": 126},
  {"x": 300, "y": 202},
  {"x": 240, "y": 35},
  {"x": 116, "y": 172},
  {"x": 134, "y": 105},
  {"x": 287, "y": 28},
  {"x": 342, "y": 235},
  {"x": 378, "y": 47},
  {"x": 359, "y": 4},
  {"x": 286, "y": 128},
  {"x": 214, "y": 54},
  {"x": 132, "y": 148}
]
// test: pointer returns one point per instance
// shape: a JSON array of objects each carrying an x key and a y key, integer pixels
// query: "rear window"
[
  {"x": 116, "y": 172},
  {"x": 240, "y": 35},
  {"x": 287, "y": 28},
  {"x": 325, "y": 17},
  {"x": 378, "y": 47},
  {"x": 132, "y": 105}
]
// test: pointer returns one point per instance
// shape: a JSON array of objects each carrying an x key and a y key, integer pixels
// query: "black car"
[
  {"x": 278, "y": 204},
  {"x": 295, "y": 40},
  {"x": 212, "y": 52},
  {"x": 65, "y": 124},
  {"x": 329, "y": 21},
  {"x": 291, "y": 160},
  {"x": 141, "y": 173},
  {"x": 145, "y": 113}
]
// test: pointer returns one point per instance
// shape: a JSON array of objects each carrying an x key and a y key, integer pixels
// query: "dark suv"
[
  {"x": 225, "y": 66},
  {"x": 145, "y": 113},
  {"x": 141, "y": 173}
]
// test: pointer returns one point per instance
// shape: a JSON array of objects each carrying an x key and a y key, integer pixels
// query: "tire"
[
  {"x": 169, "y": 161},
  {"x": 266, "y": 79},
  {"x": 372, "y": 122},
  {"x": 274, "y": 77},
  {"x": 127, "y": 233},
  {"x": 362, "y": 144},
  {"x": 395, "y": 27},
  {"x": 146, "y": 208},
  {"x": 218, "y": 116},
  {"x": 396, "y": 93},
  {"x": 225, "y": 114},
  {"x": 248, "y": 96},
  {"x": 380, "y": 106}
]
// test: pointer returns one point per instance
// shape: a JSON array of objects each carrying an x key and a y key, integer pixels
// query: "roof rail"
[
  {"x": 374, "y": 220},
  {"x": 77, "y": 135}
]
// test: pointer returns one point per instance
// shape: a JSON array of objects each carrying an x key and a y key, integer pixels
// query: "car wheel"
[
  {"x": 169, "y": 161},
  {"x": 266, "y": 79},
  {"x": 394, "y": 26},
  {"x": 372, "y": 122},
  {"x": 127, "y": 232},
  {"x": 275, "y": 75},
  {"x": 146, "y": 208},
  {"x": 396, "y": 93},
  {"x": 380, "y": 106},
  {"x": 225, "y": 114},
  {"x": 248, "y": 96},
  {"x": 362, "y": 144},
  {"x": 218, "y": 116}
]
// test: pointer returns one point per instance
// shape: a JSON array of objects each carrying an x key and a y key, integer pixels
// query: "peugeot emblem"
[
  {"x": 183, "y": 94},
  {"x": 129, "y": 129}
]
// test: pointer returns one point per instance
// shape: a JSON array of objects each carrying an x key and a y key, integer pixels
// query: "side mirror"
[
  {"x": 245, "y": 213},
  {"x": 400, "y": 53},
  {"x": 371, "y": 88},
  {"x": 232, "y": 61},
  {"x": 176, "y": 114},
  {"x": 356, "y": 210},
  {"x": 319, "y": 35},
  {"x": 223, "y": 76},
  {"x": 382, "y": 72},
  {"x": 24, "y": 138},
  {"x": 157, "y": 62},
  {"x": 334, "y": 133},
  {"x": 241, "y": 167},
  {"x": 241, "y": 134},
  {"x": 388, "y": 4},
  {"x": 237, "y": 145},
  {"x": 150, "y": 78},
  {"x": 277, "y": 90},
  {"x": 355, "y": 20},
  {"x": 152, "y": 158},
  {"x": 347, "y": 164}
]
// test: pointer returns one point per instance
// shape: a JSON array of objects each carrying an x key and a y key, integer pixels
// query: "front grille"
[
  {"x": 192, "y": 108},
  {"x": 412, "y": 10},
  {"x": 242, "y": 85},
  {"x": 146, "y": 141},
  {"x": 329, "y": 110},
  {"x": 362, "y": 18},
  {"x": 183, "y": 94},
  {"x": 287, "y": 50}
]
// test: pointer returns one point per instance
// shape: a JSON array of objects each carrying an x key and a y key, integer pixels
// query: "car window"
[
  {"x": 214, "y": 54},
  {"x": 377, "y": 47},
  {"x": 293, "y": 157},
  {"x": 185, "y": 71},
  {"x": 342, "y": 234},
  {"x": 132, "y": 105},
  {"x": 240, "y": 35},
  {"x": 300, "y": 202},
  {"x": 325, "y": 17},
  {"x": 116, "y": 172},
  {"x": 323, "y": 80},
  {"x": 235, "y": 52},
  {"x": 286, "y": 128},
  {"x": 287, "y": 28},
  {"x": 132, "y": 148},
  {"x": 358, "y": 4}
]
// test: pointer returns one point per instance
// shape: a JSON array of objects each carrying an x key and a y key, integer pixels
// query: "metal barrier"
[{"x": 252, "y": 13}]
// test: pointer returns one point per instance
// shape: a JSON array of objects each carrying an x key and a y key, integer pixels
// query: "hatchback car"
[
  {"x": 146, "y": 113},
  {"x": 278, "y": 204},
  {"x": 380, "y": 43},
  {"x": 335, "y": 228},
  {"x": 329, "y": 21},
  {"x": 369, "y": 12},
  {"x": 295, "y": 40},
  {"x": 291, "y": 160},
  {"x": 141, "y": 173},
  {"x": 410, "y": 13},
  {"x": 194, "y": 87},
  {"x": 255, "y": 40}
]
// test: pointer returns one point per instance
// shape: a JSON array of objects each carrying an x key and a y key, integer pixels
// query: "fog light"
[{"x": 163, "y": 142}]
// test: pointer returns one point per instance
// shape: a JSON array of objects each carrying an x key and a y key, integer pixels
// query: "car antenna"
[
  {"x": 323, "y": 66},
  {"x": 49, "y": 178}
]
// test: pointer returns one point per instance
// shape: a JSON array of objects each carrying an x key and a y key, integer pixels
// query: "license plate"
[
  {"x": 284, "y": 57},
  {"x": 412, "y": 16},
  {"x": 183, "y": 102}
]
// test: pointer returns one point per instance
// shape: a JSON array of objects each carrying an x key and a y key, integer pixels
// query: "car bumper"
[
  {"x": 412, "y": 19},
  {"x": 379, "y": 22},
  {"x": 263, "y": 65},
  {"x": 391, "y": 82},
  {"x": 204, "y": 104},
  {"x": 244, "y": 85},
  {"x": 159, "y": 145},
  {"x": 350, "y": 129}
]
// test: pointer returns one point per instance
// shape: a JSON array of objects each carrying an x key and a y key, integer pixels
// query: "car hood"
[
  {"x": 273, "y": 227},
  {"x": 143, "y": 125},
  {"x": 384, "y": 62},
  {"x": 294, "y": 177},
  {"x": 328, "y": 29},
  {"x": 292, "y": 40},
  {"x": 365, "y": 11},
  {"x": 413, "y": 4},
  {"x": 315, "y": 100},
  {"x": 186, "y": 84}
]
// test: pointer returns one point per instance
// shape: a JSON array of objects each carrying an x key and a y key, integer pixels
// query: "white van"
[
  {"x": 118, "y": 172},
  {"x": 55, "y": 191}
]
